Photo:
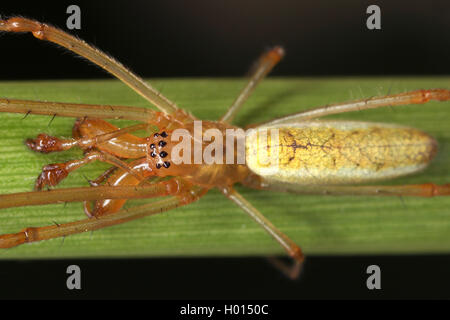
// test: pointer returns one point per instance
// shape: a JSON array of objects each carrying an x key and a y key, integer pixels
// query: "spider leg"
[
  {"x": 138, "y": 173},
  {"x": 33, "y": 234},
  {"x": 412, "y": 97},
  {"x": 45, "y": 144},
  {"x": 263, "y": 66},
  {"x": 76, "y": 110},
  {"x": 63, "y": 195},
  {"x": 46, "y": 32},
  {"x": 414, "y": 190},
  {"x": 54, "y": 173},
  {"x": 104, "y": 176},
  {"x": 290, "y": 246}
]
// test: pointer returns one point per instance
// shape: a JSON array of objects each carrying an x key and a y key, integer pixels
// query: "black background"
[
  {"x": 222, "y": 38},
  {"x": 218, "y": 38}
]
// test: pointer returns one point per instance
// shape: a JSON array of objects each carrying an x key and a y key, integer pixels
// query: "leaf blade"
[{"x": 213, "y": 225}]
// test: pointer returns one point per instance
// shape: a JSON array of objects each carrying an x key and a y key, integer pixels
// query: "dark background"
[{"x": 221, "y": 39}]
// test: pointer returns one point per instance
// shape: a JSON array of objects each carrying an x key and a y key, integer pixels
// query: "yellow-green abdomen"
[{"x": 337, "y": 152}]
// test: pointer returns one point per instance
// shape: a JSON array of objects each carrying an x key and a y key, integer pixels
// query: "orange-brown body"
[{"x": 152, "y": 157}]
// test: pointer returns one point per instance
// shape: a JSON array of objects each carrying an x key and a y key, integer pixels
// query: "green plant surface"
[{"x": 213, "y": 226}]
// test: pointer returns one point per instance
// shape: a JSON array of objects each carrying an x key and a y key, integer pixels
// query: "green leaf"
[{"x": 214, "y": 225}]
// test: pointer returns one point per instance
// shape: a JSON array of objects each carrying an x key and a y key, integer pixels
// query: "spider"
[{"x": 312, "y": 156}]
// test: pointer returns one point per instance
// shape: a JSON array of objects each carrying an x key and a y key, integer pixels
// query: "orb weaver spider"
[{"x": 315, "y": 156}]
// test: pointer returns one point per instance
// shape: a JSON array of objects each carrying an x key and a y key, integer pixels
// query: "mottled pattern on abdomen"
[{"x": 333, "y": 152}]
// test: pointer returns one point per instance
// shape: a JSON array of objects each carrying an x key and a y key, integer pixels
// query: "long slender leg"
[
  {"x": 34, "y": 198},
  {"x": 414, "y": 190},
  {"x": 33, "y": 234},
  {"x": 76, "y": 110},
  {"x": 54, "y": 173},
  {"x": 43, "y": 31},
  {"x": 290, "y": 246},
  {"x": 412, "y": 97},
  {"x": 45, "y": 144},
  {"x": 96, "y": 133},
  {"x": 264, "y": 65}
]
